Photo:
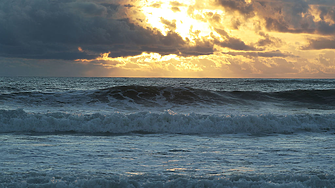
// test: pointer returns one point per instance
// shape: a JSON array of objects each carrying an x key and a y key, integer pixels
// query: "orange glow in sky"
[{"x": 228, "y": 39}]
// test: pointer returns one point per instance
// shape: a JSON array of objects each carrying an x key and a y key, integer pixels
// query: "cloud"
[
  {"x": 241, "y": 6},
  {"x": 157, "y": 5},
  {"x": 259, "y": 54},
  {"x": 235, "y": 44},
  {"x": 175, "y": 9},
  {"x": 55, "y": 29},
  {"x": 169, "y": 24},
  {"x": 176, "y": 4},
  {"x": 232, "y": 42},
  {"x": 298, "y": 16},
  {"x": 321, "y": 43},
  {"x": 31, "y": 67},
  {"x": 90, "y": 8},
  {"x": 268, "y": 40},
  {"x": 282, "y": 26},
  {"x": 243, "y": 37},
  {"x": 286, "y": 16},
  {"x": 41, "y": 29},
  {"x": 277, "y": 67}
]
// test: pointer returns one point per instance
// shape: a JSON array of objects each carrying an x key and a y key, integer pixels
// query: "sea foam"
[
  {"x": 166, "y": 122},
  {"x": 282, "y": 181}
]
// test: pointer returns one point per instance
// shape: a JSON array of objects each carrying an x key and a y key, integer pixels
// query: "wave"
[
  {"x": 167, "y": 122},
  {"x": 284, "y": 181},
  {"x": 151, "y": 94},
  {"x": 321, "y": 97},
  {"x": 159, "y": 95},
  {"x": 288, "y": 81},
  {"x": 185, "y": 95}
]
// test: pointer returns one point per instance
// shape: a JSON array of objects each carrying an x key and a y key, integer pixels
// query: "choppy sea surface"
[{"x": 155, "y": 132}]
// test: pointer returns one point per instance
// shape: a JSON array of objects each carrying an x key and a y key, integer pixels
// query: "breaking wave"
[
  {"x": 167, "y": 122},
  {"x": 185, "y": 95},
  {"x": 283, "y": 181},
  {"x": 158, "y": 95}
]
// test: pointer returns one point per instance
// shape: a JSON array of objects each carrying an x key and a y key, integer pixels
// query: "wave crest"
[
  {"x": 284, "y": 181},
  {"x": 167, "y": 122},
  {"x": 150, "y": 96},
  {"x": 185, "y": 95}
]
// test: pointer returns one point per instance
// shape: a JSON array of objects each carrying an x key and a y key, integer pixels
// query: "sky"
[{"x": 167, "y": 38}]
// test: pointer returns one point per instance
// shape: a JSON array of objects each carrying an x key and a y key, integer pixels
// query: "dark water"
[{"x": 138, "y": 132}]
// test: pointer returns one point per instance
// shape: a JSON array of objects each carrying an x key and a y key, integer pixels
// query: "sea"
[{"x": 167, "y": 132}]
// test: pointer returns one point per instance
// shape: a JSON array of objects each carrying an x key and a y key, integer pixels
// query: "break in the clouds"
[{"x": 186, "y": 38}]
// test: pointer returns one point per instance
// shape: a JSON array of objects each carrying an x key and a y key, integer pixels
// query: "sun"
[
  {"x": 197, "y": 22},
  {"x": 179, "y": 17}
]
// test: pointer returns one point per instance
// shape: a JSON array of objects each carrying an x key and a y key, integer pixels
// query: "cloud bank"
[{"x": 211, "y": 38}]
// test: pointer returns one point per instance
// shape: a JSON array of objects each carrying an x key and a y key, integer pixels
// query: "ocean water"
[{"x": 155, "y": 132}]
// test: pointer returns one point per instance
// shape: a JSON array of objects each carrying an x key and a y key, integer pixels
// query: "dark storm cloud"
[
  {"x": 231, "y": 42},
  {"x": 42, "y": 29},
  {"x": 268, "y": 40},
  {"x": 321, "y": 2},
  {"x": 259, "y": 54},
  {"x": 282, "y": 26},
  {"x": 295, "y": 16},
  {"x": 235, "y": 44},
  {"x": 90, "y": 8},
  {"x": 31, "y": 67},
  {"x": 318, "y": 44},
  {"x": 237, "y": 5},
  {"x": 326, "y": 29},
  {"x": 202, "y": 47},
  {"x": 287, "y": 16}
]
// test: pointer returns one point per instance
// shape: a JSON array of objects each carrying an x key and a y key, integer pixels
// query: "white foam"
[
  {"x": 166, "y": 122},
  {"x": 173, "y": 182}
]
